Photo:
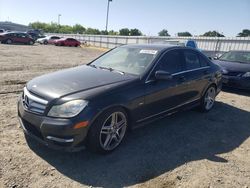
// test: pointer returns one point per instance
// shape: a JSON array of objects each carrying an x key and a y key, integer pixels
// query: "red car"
[
  {"x": 17, "y": 38},
  {"x": 67, "y": 42}
]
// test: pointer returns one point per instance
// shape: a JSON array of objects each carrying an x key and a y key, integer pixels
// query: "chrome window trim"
[
  {"x": 191, "y": 70},
  {"x": 182, "y": 72},
  {"x": 34, "y": 98},
  {"x": 177, "y": 73}
]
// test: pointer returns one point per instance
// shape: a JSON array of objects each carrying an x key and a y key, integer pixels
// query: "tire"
[
  {"x": 9, "y": 41},
  {"x": 76, "y": 45},
  {"x": 208, "y": 99},
  {"x": 108, "y": 131},
  {"x": 31, "y": 42},
  {"x": 45, "y": 42}
]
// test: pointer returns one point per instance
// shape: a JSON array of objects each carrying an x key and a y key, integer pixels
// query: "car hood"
[
  {"x": 233, "y": 66},
  {"x": 74, "y": 80}
]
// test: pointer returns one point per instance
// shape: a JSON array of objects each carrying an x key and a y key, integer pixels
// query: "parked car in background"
[
  {"x": 95, "y": 104},
  {"x": 16, "y": 38},
  {"x": 67, "y": 42},
  {"x": 48, "y": 40},
  {"x": 236, "y": 69},
  {"x": 188, "y": 43}
]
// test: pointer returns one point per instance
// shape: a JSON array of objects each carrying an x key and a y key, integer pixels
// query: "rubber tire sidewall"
[{"x": 93, "y": 140}]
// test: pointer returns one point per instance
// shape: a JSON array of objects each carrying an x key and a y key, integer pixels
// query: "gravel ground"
[{"x": 188, "y": 149}]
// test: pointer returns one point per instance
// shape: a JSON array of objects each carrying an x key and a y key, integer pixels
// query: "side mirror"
[
  {"x": 216, "y": 57},
  {"x": 163, "y": 75}
]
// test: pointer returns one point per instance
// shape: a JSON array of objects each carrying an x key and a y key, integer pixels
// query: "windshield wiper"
[{"x": 111, "y": 69}]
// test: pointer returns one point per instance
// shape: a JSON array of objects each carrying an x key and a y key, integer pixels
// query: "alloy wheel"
[
  {"x": 210, "y": 98},
  {"x": 113, "y": 131}
]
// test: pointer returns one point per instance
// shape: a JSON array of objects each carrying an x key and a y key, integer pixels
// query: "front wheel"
[
  {"x": 108, "y": 131},
  {"x": 208, "y": 99}
]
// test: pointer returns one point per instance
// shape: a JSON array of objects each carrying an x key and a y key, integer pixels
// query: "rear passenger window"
[
  {"x": 171, "y": 62},
  {"x": 192, "y": 60}
]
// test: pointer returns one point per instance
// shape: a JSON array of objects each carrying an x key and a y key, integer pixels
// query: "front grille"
[{"x": 33, "y": 103}]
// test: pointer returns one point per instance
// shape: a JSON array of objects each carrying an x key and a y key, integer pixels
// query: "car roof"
[{"x": 158, "y": 47}]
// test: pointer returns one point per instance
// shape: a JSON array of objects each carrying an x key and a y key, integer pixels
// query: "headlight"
[
  {"x": 68, "y": 109},
  {"x": 247, "y": 74}
]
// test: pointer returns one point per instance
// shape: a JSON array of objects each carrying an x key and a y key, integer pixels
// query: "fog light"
[{"x": 60, "y": 139}]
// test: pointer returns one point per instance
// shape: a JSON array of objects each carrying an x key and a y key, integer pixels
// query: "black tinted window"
[
  {"x": 192, "y": 60},
  {"x": 171, "y": 62}
]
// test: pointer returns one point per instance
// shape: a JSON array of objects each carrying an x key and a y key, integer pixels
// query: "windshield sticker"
[{"x": 153, "y": 52}]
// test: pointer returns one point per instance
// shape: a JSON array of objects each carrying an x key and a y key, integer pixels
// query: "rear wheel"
[
  {"x": 9, "y": 41},
  {"x": 45, "y": 42},
  {"x": 108, "y": 131},
  {"x": 31, "y": 42},
  {"x": 208, "y": 99}
]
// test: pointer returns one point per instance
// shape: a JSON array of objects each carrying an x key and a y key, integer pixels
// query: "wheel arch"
[{"x": 128, "y": 113}]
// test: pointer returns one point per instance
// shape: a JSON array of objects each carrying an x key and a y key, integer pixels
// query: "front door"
[{"x": 164, "y": 95}]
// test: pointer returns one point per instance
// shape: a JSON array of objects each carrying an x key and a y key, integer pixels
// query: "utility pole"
[
  {"x": 107, "y": 18},
  {"x": 58, "y": 21}
]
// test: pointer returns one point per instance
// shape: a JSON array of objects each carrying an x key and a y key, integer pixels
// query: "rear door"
[{"x": 197, "y": 73}]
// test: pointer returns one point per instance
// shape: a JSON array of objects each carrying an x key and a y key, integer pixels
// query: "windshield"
[
  {"x": 242, "y": 57},
  {"x": 127, "y": 60}
]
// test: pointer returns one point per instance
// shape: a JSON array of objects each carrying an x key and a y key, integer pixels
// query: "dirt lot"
[{"x": 188, "y": 149}]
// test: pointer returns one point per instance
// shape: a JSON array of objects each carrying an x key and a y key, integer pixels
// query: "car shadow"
[
  {"x": 157, "y": 148},
  {"x": 236, "y": 91}
]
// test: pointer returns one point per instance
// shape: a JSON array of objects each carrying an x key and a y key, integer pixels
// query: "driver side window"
[{"x": 171, "y": 62}]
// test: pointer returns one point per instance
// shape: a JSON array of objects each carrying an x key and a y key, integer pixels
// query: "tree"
[
  {"x": 92, "y": 31},
  {"x": 135, "y": 32},
  {"x": 163, "y": 32},
  {"x": 124, "y": 32},
  {"x": 184, "y": 34},
  {"x": 244, "y": 33},
  {"x": 77, "y": 28},
  {"x": 112, "y": 32},
  {"x": 213, "y": 34}
]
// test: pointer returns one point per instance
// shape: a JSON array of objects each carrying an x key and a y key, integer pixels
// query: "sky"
[{"x": 196, "y": 16}]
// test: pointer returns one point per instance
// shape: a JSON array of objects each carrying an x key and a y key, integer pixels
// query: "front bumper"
[
  {"x": 56, "y": 133},
  {"x": 236, "y": 82}
]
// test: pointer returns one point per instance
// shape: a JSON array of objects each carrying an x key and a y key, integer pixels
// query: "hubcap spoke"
[
  {"x": 120, "y": 124},
  {"x": 108, "y": 140},
  {"x": 210, "y": 98}
]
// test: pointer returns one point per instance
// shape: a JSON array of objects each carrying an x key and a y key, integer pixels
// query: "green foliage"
[
  {"x": 163, "y": 32},
  {"x": 184, "y": 34},
  {"x": 112, "y": 32},
  {"x": 213, "y": 34},
  {"x": 135, "y": 32},
  {"x": 124, "y": 32},
  {"x": 244, "y": 33},
  {"x": 79, "y": 29},
  {"x": 131, "y": 32}
]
